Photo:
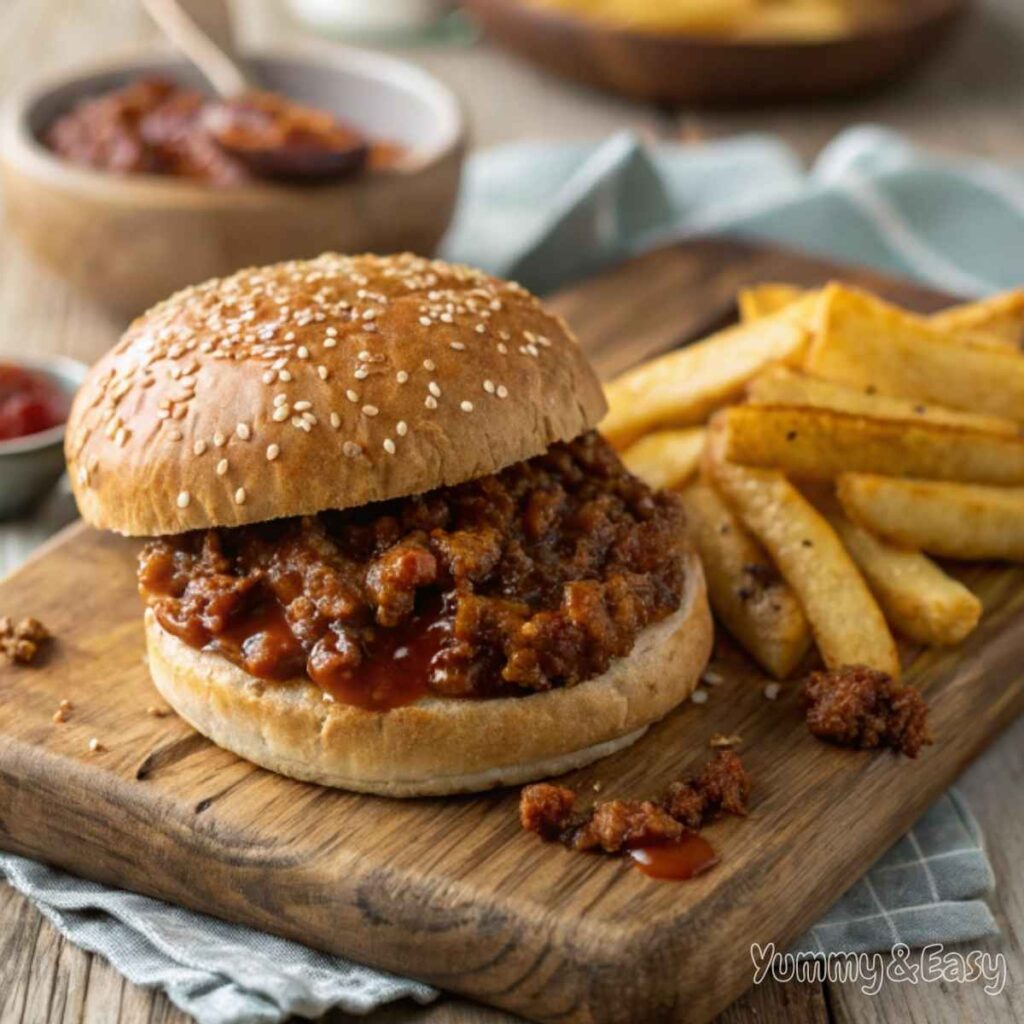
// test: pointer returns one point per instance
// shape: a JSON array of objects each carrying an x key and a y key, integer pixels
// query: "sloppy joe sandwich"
[{"x": 387, "y": 549}]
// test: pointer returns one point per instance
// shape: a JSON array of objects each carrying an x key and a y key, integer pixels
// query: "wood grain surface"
[{"x": 451, "y": 890}]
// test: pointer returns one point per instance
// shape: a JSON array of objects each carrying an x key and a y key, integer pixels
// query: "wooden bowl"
[
  {"x": 679, "y": 69},
  {"x": 131, "y": 240}
]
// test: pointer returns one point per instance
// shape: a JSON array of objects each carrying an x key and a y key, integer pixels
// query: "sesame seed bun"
[
  {"x": 320, "y": 384},
  {"x": 437, "y": 745}
]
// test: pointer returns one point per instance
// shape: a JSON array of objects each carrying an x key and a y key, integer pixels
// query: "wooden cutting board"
[{"x": 451, "y": 891}]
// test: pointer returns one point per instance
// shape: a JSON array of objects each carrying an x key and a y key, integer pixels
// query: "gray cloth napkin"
[{"x": 547, "y": 213}]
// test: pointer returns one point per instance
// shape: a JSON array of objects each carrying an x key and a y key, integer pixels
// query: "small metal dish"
[{"x": 31, "y": 465}]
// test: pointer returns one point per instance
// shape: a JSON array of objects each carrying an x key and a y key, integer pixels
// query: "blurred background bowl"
[
  {"x": 131, "y": 240},
  {"x": 662, "y": 67},
  {"x": 31, "y": 465}
]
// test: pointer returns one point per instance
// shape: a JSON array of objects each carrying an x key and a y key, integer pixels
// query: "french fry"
[
  {"x": 950, "y": 520},
  {"x": 763, "y": 300},
  {"x": 747, "y": 593},
  {"x": 918, "y": 598},
  {"x": 781, "y": 386},
  {"x": 682, "y": 388},
  {"x": 1000, "y": 316},
  {"x": 848, "y": 626},
  {"x": 666, "y": 458},
  {"x": 865, "y": 343},
  {"x": 819, "y": 444},
  {"x": 998, "y": 320}
]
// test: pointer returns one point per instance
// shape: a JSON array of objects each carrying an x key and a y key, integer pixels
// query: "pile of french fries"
[
  {"x": 824, "y": 448},
  {"x": 762, "y": 20}
]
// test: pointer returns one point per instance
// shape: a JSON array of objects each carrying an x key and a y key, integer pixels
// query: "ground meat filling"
[
  {"x": 860, "y": 707},
  {"x": 536, "y": 577}
]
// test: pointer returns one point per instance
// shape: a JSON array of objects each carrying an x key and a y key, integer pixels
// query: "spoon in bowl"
[{"x": 272, "y": 136}]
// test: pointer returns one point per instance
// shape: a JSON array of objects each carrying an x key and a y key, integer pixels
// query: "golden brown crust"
[
  {"x": 327, "y": 383},
  {"x": 438, "y": 745}
]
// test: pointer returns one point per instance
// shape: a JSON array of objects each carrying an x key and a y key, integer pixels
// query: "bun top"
[{"x": 321, "y": 384}]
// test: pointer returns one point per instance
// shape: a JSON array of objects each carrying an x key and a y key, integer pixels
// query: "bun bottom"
[{"x": 438, "y": 745}]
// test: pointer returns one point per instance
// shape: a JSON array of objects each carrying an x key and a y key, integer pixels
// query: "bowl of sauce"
[
  {"x": 35, "y": 399},
  {"x": 132, "y": 181}
]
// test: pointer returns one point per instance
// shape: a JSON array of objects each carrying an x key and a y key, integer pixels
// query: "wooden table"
[{"x": 970, "y": 100}]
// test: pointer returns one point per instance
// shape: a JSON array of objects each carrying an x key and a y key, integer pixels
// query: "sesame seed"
[
  {"x": 364, "y": 355},
  {"x": 243, "y": 431},
  {"x": 426, "y": 321},
  {"x": 401, "y": 376},
  {"x": 699, "y": 696},
  {"x": 269, "y": 377},
  {"x": 240, "y": 496},
  {"x": 222, "y": 467},
  {"x": 480, "y": 328},
  {"x": 273, "y": 451},
  {"x": 199, "y": 447},
  {"x": 280, "y": 399},
  {"x": 772, "y": 690},
  {"x": 502, "y": 391},
  {"x": 466, "y": 406},
  {"x": 120, "y": 436},
  {"x": 302, "y": 406},
  {"x": 458, "y": 346},
  {"x": 370, "y": 410},
  {"x": 352, "y": 396},
  {"x": 322, "y": 372},
  {"x": 285, "y": 376},
  {"x": 489, "y": 386},
  {"x": 503, "y": 348},
  {"x": 183, "y": 499},
  {"x": 361, "y": 373},
  {"x": 712, "y": 678},
  {"x": 430, "y": 402},
  {"x": 219, "y": 440},
  {"x": 302, "y": 352},
  {"x": 95, "y": 746},
  {"x": 330, "y": 341},
  {"x": 332, "y": 332},
  {"x": 429, "y": 364},
  {"x": 335, "y": 420},
  {"x": 351, "y": 449},
  {"x": 389, "y": 446},
  {"x": 401, "y": 428},
  {"x": 434, "y": 388}
]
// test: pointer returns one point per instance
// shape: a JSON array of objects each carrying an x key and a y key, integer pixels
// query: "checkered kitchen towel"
[{"x": 547, "y": 213}]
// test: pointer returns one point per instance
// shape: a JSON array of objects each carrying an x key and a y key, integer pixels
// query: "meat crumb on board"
[
  {"x": 614, "y": 826},
  {"x": 860, "y": 707},
  {"x": 21, "y": 642}
]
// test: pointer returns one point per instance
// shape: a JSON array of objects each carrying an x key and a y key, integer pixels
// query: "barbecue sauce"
[{"x": 686, "y": 857}]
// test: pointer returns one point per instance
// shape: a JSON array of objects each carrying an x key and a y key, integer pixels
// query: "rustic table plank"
[{"x": 993, "y": 787}]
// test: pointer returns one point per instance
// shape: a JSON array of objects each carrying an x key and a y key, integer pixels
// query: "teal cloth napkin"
[
  {"x": 549, "y": 213},
  {"x": 546, "y": 214}
]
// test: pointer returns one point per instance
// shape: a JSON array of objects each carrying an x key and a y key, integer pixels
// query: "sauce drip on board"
[{"x": 686, "y": 857}]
